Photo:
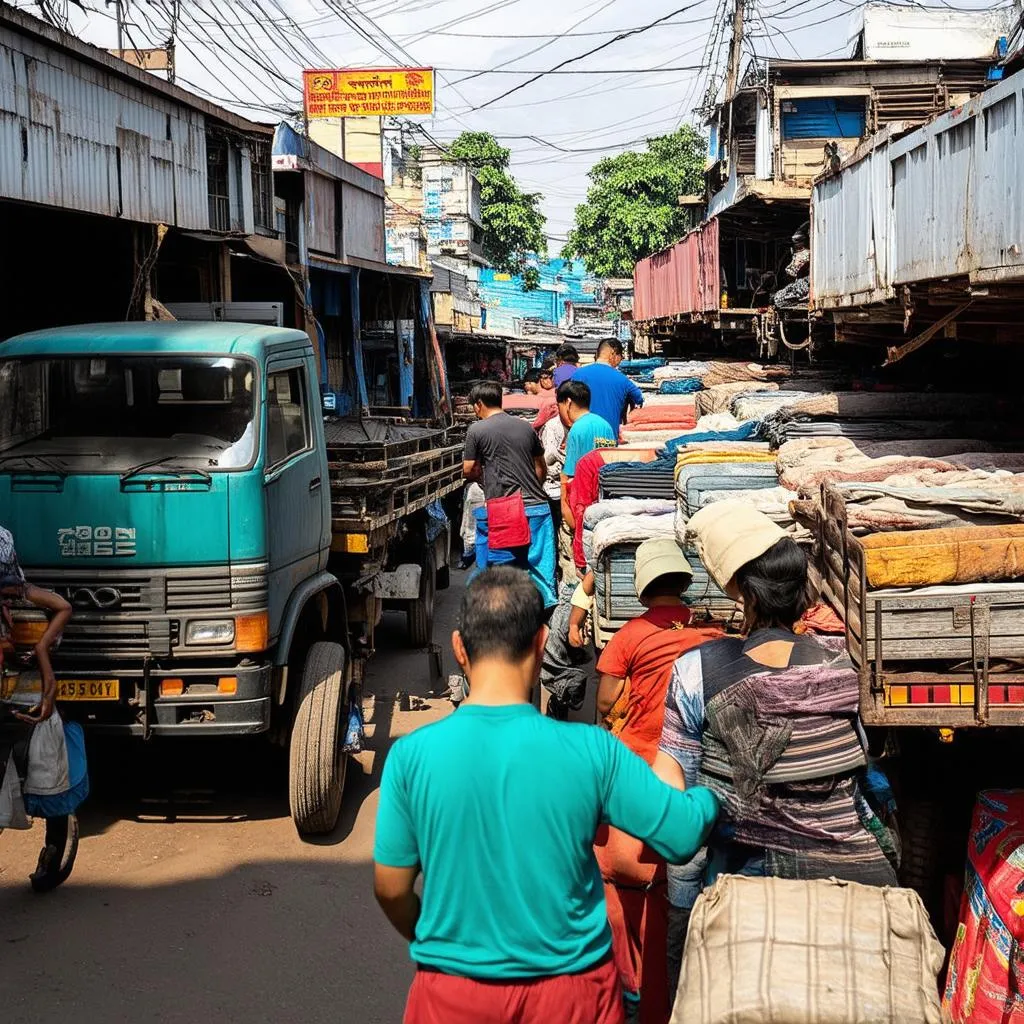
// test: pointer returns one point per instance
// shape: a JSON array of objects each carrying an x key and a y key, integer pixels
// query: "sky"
[{"x": 249, "y": 54}]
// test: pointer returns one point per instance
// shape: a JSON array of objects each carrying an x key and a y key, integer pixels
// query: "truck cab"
[{"x": 171, "y": 480}]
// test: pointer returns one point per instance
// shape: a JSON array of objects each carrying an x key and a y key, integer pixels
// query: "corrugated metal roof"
[
  {"x": 25, "y": 25},
  {"x": 69, "y": 138}
]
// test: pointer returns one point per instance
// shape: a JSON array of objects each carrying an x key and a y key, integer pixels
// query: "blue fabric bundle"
[
  {"x": 744, "y": 432},
  {"x": 633, "y": 367},
  {"x": 680, "y": 386}
]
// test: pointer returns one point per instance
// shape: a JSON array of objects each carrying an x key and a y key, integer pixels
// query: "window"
[
  {"x": 217, "y": 183},
  {"x": 262, "y": 185},
  {"x": 287, "y": 416},
  {"x": 823, "y": 118}
]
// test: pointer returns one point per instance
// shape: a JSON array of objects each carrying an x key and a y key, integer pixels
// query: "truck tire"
[
  {"x": 420, "y": 615},
  {"x": 922, "y": 831},
  {"x": 316, "y": 769}
]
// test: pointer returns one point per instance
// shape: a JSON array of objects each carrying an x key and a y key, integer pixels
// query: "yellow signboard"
[{"x": 369, "y": 92}]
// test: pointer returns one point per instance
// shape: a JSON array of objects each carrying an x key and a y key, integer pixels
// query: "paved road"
[{"x": 193, "y": 899}]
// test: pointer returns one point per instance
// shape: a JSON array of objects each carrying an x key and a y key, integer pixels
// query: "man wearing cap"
[
  {"x": 768, "y": 722},
  {"x": 634, "y": 670}
]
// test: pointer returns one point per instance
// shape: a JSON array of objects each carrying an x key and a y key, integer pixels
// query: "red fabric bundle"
[
  {"x": 663, "y": 417},
  {"x": 985, "y": 983},
  {"x": 507, "y": 525}
]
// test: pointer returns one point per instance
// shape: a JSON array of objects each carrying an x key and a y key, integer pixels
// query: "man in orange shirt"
[{"x": 635, "y": 668}]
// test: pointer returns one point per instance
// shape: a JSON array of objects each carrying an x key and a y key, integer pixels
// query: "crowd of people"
[{"x": 561, "y": 861}]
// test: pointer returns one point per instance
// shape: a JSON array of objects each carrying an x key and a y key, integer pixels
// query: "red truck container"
[{"x": 684, "y": 278}]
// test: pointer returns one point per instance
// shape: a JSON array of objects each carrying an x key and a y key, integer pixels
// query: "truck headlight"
[{"x": 210, "y": 631}]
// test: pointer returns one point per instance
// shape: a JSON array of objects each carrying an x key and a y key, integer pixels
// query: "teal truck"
[{"x": 227, "y": 547}]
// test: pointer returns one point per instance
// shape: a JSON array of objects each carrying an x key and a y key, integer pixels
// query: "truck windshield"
[{"x": 111, "y": 413}]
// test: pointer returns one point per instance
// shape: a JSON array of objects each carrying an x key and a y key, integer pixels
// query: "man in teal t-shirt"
[
  {"x": 585, "y": 432},
  {"x": 512, "y": 923}
]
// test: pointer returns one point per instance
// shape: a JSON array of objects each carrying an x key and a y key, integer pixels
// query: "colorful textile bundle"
[
  {"x": 682, "y": 386},
  {"x": 806, "y": 463},
  {"x": 647, "y": 434},
  {"x": 695, "y": 482},
  {"x": 634, "y": 367},
  {"x": 756, "y": 406},
  {"x": 985, "y": 983},
  {"x": 663, "y": 417},
  {"x": 630, "y": 529},
  {"x": 964, "y": 554},
  {"x": 728, "y": 373},
  {"x": 744, "y": 432},
  {"x": 719, "y": 397},
  {"x": 772, "y": 501}
]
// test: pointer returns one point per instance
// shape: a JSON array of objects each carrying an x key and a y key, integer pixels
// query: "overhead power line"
[{"x": 589, "y": 53}]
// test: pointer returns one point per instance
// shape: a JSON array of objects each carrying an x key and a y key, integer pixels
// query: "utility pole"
[
  {"x": 735, "y": 49},
  {"x": 120, "y": 28}
]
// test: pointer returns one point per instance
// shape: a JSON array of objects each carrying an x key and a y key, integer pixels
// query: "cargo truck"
[{"x": 227, "y": 548}]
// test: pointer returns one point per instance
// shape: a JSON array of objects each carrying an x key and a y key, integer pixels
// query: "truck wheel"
[
  {"x": 922, "y": 830},
  {"x": 316, "y": 770},
  {"x": 420, "y": 616}
]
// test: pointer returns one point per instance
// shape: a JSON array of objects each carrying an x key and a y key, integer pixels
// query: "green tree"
[
  {"x": 512, "y": 219},
  {"x": 632, "y": 207}
]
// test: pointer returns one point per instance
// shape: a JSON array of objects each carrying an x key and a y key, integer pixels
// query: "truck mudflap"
[{"x": 150, "y": 701}]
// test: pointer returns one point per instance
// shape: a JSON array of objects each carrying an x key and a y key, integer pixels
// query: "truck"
[{"x": 227, "y": 545}]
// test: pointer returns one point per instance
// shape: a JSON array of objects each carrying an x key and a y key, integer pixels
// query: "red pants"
[{"x": 593, "y": 997}]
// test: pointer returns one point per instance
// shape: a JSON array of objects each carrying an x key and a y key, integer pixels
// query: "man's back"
[
  {"x": 506, "y": 446},
  {"x": 500, "y": 806},
  {"x": 609, "y": 390}
]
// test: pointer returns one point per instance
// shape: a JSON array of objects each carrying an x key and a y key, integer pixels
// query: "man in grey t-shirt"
[{"x": 505, "y": 455}]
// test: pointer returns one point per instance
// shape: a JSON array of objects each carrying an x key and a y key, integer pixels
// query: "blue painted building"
[{"x": 561, "y": 282}]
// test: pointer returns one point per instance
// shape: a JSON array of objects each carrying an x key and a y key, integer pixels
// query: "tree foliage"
[
  {"x": 512, "y": 219},
  {"x": 632, "y": 207}
]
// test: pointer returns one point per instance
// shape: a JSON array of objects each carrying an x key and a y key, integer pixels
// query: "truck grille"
[{"x": 114, "y": 610}]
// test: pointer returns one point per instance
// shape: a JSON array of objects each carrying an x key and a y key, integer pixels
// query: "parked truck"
[{"x": 228, "y": 548}]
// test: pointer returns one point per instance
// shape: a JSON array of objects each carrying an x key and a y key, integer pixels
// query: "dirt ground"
[{"x": 193, "y": 898}]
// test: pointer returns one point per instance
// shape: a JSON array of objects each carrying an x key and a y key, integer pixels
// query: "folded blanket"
[
  {"x": 681, "y": 371},
  {"x": 883, "y": 405},
  {"x": 1007, "y": 500},
  {"x": 694, "y": 483},
  {"x": 682, "y": 415},
  {"x": 751, "y": 447},
  {"x": 631, "y": 529},
  {"x": 644, "y": 435},
  {"x": 726, "y": 373},
  {"x": 611, "y": 507},
  {"x": 757, "y": 406},
  {"x": 653, "y": 399},
  {"x": 690, "y": 456},
  {"x": 718, "y": 397},
  {"x": 774, "y": 502},
  {"x": 959, "y": 555},
  {"x": 744, "y": 432}
]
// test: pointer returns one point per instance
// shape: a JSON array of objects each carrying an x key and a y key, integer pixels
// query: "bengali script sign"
[{"x": 369, "y": 92}]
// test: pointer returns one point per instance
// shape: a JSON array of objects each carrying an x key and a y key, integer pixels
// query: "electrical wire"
[{"x": 589, "y": 53}]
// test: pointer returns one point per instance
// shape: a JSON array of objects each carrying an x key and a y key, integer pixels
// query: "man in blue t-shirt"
[
  {"x": 512, "y": 923},
  {"x": 567, "y": 361},
  {"x": 611, "y": 391},
  {"x": 585, "y": 432}
]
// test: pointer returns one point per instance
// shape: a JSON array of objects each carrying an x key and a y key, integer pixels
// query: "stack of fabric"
[
  {"x": 703, "y": 472},
  {"x": 612, "y": 552},
  {"x": 639, "y": 480},
  {"x": 678, "y": 416},
  {"x": 719, "y": 397}
]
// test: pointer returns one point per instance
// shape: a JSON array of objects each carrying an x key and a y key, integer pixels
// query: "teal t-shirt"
[
  {"x": 586, "y": 434},
  {"x": 499, "y": 806}
]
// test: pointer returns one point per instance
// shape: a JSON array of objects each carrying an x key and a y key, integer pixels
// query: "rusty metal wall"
[
  {"x": 321, "y": 213},
  {"x": 362, "y": 220},
  {"x": 685, "y": 278},
  {"x": 852, "y": 238},
  {"x": 66, "y": 127},
  {"x": 958, "y": 203}
]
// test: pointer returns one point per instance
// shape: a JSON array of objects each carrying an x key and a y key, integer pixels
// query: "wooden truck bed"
[
  {"x": 947, "y": 656},
  {"x": 381, "y": 472}
]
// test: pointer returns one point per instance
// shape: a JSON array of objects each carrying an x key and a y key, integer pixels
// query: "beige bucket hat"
[
  {"x": 728, "y": 534},
  {"x": 659, "y": 556}
]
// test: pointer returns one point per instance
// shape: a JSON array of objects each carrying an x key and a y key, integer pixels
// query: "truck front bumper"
[{"x": 196, "y": 707}]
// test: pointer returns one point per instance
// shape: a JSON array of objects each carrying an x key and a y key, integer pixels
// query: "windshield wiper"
[
  {"x": 48, "y": 465},
  {"x": 166, "y": 467}
]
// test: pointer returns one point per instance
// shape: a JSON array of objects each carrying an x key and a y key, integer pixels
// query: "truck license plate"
[{"x": 88, "y": 689}]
